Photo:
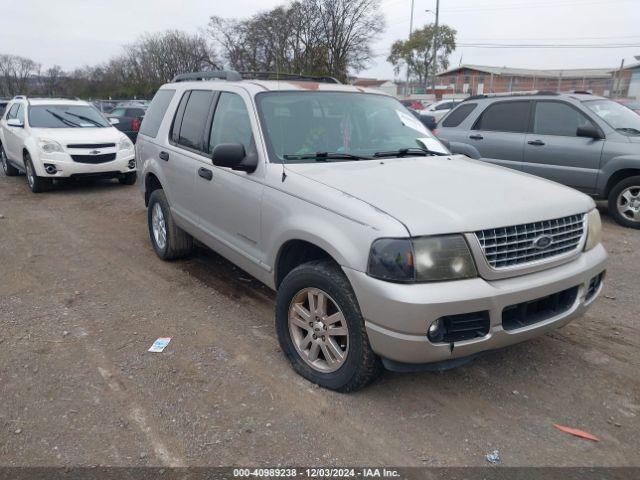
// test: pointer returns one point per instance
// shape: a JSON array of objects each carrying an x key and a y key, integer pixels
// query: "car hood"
[
  {"x": 435, "y": 195},
  {"x": 66, "y": 136}
]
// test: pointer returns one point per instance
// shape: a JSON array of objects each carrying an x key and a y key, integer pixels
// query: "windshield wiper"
[
  {"x": 62, "y": 119},
  {"x": 324, "y": 156},
  {"x": 634, "y": 131},
  {"x": 411, "y": 151},
  {"x": 86, "y": 119}
]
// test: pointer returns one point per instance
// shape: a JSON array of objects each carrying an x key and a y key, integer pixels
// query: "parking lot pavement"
[{"x": 83, "y": 296}]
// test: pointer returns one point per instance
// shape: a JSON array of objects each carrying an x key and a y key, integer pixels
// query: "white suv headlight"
[
  {"x": 594, "y": 229},
  {"x": 125, "y": 144},
  {"x": 50, "y": 146}
]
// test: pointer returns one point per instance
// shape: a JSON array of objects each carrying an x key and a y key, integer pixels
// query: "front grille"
[
  {"x": 465, "y": 326},
  {"x": 107, "y": 157},
  {"x": 509, "y": 246},
  {"x": 538, "y": 310},
  {"x": 91, "y": 145}
]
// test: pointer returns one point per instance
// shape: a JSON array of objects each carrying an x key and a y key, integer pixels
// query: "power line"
[{"x": 552, "y": 46}]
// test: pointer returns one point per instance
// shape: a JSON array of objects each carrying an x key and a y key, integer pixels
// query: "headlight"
[
  {"x": 50, "y": 146},
  {"x": 594, "y": 229},
  {"x": 125, "y": 144},
  {"x": 424, "y": 259}
]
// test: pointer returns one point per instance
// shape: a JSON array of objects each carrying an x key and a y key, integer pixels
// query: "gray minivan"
[{"x": 581, "y": 140}]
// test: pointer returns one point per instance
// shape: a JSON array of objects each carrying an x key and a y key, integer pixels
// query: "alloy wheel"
[
  {"x": 3, "y": 159},
  {"x": 318, "y": 330},
  {"x": 629, "y": 203},
  {"x": 159, "y": 226},
  {"x": 30, "y": 179}
]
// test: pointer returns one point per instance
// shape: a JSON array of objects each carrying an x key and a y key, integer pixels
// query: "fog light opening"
[
  {"x": 50, "y": 168},
  {"x": 436, "y": 331},
  {"x": 132, "y": 164}
]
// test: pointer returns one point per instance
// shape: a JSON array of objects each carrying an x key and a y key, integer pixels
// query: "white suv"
[{"x": 59, "y": 138}]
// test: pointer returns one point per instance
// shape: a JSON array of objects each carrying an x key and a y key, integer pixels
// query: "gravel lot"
[{"x": 83, "y": 296}]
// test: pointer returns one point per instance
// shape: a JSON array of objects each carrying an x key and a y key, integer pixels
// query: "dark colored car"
[
  {"x": 129, "y": 119},
  {"x": 428, "y": 121}
]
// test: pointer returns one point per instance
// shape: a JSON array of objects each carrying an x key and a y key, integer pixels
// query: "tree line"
[{"x": 312, "y": 37}]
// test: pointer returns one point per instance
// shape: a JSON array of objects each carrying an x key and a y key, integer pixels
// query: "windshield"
[
  {"x": 616, "y": 115},
  {"x": 66, "y": 116},
  {"x": 342, "y": 126}
]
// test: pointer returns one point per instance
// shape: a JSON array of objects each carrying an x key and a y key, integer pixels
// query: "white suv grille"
[{"x": 520, "y": 244}]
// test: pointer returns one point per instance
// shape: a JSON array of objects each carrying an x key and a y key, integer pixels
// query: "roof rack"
[
  {"x": 582, "y": 92},
  {"x": 20, "y": 97},
  {"x": 54, "y": 97},
  {"x": 288, "y": 76},
  {"x": 230, "y": 75},
  {"x": 511, "y": 94}
]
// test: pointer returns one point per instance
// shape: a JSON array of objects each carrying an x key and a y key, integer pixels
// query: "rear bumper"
[{"x": 397, "y": 316}]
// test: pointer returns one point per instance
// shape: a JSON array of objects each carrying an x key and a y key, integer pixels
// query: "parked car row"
[{"x": 384, "y": 248}]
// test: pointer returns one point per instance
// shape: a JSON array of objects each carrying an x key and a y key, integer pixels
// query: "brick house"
[{"x": 478, "y": 79}]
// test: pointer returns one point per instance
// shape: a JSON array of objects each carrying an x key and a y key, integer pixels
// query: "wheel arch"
[
  {"x": 151, "y": 184},
  {"x": 619, "y": 175},
  {"x": 295, "y": 252}
]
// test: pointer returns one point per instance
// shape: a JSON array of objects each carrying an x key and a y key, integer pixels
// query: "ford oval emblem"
[
  {"x": 95, "y": 152},
  {"x": 542, "y": 242}
]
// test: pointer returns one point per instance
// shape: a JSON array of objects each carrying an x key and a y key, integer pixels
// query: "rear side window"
[
  {"x": 12, "y": 111},
  {"x": 505, "y": 117},
  {"x": 155, "y": 112},
  {"x": 556, "y": 118},
  {"x": 196, "y": 111},
  {"x": 459, "y": 115},
  {"x": 20, "y": 113}
]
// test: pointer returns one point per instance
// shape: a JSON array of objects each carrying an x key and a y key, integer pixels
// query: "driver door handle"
[
  {"x": 537, "y": 143},
  {"x": 205, "y": 173},
  {"x": 476, "y": 137}
]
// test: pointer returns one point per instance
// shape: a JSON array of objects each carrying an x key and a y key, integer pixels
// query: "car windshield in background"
[
  {"x": 340, "y": 126},
  {"x": 617, "y": 116},
  {"x": 66, "y": 116}
]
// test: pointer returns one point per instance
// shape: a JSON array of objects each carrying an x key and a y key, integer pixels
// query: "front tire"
[
  {"x": 321, "y": 330},
  {"x": 169, "y": 241},
  {"x": 624, "y": 202},
  {"x": 36, "y": 184},
  {"x": 8, "y": 169},
  {"x": 128, "y": 178}
]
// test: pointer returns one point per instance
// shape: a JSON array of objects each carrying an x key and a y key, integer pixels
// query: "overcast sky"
[{"x": 72, "y": 33}]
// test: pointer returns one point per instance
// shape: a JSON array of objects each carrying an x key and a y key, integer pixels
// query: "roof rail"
[
  {"x": 288, "y": 76},
  {"x": 582, "y": 92},
  {"x": 20, "y": 97},
  {"x": 511, "y": 94},
  {"x": 230, "y": 75}
]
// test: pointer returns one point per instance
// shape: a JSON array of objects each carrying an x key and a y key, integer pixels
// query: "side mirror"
[
  {"x": 233, "y": 155},
  {"x": 589, "y": 131},
  {"x": 114, "y": 121},
  {"x": 447, "y": 144},
  {"x": 460, "y": 148},
  {"x": 14, "y": 122}
]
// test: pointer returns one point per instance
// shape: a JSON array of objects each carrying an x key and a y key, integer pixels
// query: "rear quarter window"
[
  {"x": 155, "y": 113},
  {"x": 458, "y": 115}
]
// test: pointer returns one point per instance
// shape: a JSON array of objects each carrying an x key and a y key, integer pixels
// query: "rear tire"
[
  {"x": 169, "y": 241},
  {"x": 8, "y": 169},
  {"x": 128, "y": 178},
  {"x": 624, "y": 202},
  {"x": 36, "y": 184},
  {"x": 360, "y": 365}
]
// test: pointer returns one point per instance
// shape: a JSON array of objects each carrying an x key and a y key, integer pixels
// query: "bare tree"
[
  {"x": 15, "y": 74},
  {"x": 324, "y": 37}
]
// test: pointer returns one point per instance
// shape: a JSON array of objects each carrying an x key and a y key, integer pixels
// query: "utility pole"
[
  {"x": 618, "y": 85},
  {"x": 435, "y": 48},
  {"x": 406, "y": 87}
]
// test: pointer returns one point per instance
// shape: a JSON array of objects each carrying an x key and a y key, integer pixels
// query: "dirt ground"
[{"x": 83, "y": 296}]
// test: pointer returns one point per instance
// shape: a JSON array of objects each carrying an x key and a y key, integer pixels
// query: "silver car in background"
[{"x": 584, "y": 141}]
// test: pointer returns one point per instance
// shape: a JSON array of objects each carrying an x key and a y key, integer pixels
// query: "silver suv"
[
  {"x": 383, "y": 247},
  {"x": 587, "y": 142}
]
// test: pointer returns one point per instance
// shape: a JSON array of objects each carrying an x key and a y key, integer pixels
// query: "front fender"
[{"x": 615, "y": 164}]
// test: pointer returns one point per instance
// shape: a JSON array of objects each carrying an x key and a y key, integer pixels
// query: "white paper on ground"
[{"x": 160, "y": 344}]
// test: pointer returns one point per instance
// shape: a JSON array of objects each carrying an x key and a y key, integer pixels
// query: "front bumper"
[
  {"x": 397, "y": 316},
  {"x": 65, "y": 166}
]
